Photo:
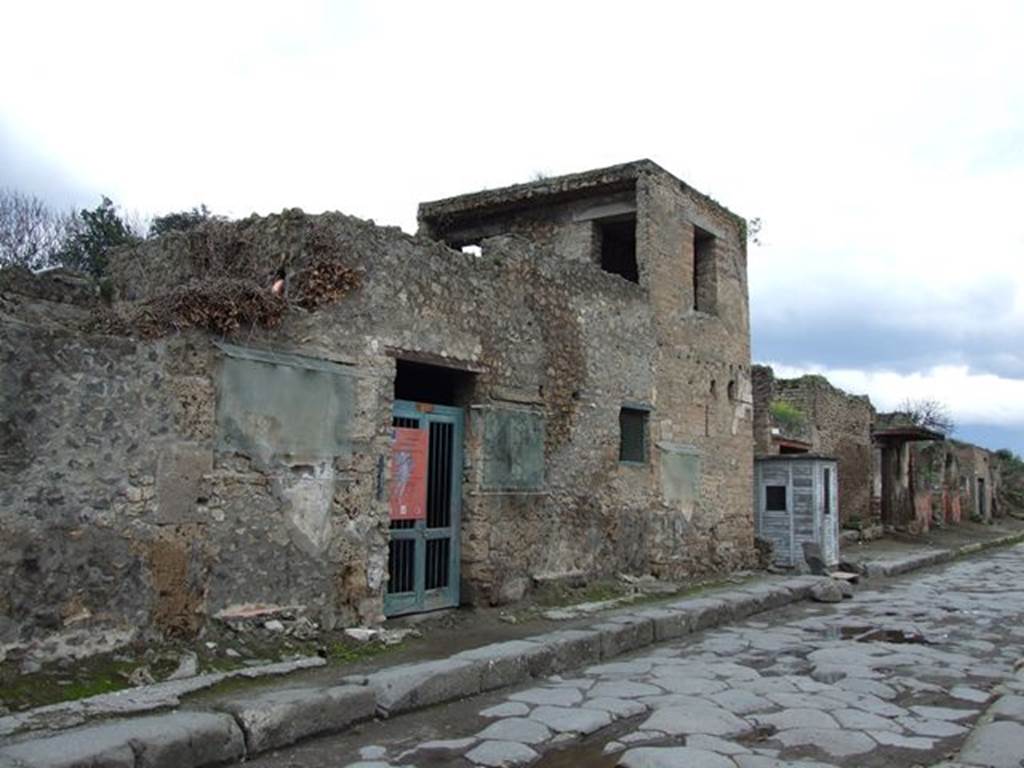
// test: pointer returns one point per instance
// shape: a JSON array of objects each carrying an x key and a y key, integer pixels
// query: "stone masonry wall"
[
  {"x": 837, "y": 424},
  {"x": 122, "y": 511}
]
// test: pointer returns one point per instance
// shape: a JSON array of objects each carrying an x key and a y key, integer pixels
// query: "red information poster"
[{"x": 409, "y": 474}]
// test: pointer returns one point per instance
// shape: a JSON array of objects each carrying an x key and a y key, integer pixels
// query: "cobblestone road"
[{"x": 895, "y": 677}]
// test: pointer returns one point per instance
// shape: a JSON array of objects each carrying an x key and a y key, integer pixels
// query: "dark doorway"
[{"x": 424, "y": 383}]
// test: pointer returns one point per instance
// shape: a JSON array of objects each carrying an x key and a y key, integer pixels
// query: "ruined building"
[
  {"x": 551, "y": 379},
  {"x": 891, "y": 473}
]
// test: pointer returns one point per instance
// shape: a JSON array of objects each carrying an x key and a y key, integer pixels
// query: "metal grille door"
[{"x": 423, "y": 555}]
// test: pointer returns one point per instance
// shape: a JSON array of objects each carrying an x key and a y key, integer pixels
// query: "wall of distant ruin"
[{"x": 835, "y": 424}]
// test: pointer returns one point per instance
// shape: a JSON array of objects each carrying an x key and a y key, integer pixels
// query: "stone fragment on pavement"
[{"x": 673, "y": 757}]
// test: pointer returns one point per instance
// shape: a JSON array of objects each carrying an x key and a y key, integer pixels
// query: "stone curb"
[
  {"x": 247, "y": 726},
  {"x": 936, "y": 557}
]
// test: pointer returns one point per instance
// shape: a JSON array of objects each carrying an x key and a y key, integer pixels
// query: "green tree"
[
  {"x": 92, "y": 234},
  {"x": 181, "y": 221}
]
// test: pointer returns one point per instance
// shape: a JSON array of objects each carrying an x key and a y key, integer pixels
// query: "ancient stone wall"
[
  {"x": 129, "y": 505},
  {"x": 834, "y": 423}
]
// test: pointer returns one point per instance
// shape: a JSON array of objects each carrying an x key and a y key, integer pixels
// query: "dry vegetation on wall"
[{"x": 226, "y": 284}]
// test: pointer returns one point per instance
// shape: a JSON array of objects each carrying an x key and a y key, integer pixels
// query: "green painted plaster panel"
[
  {"x": 271, "y": 404},
  {"x": 680, "y": 474},
  {"x": 513, "y": 449}
]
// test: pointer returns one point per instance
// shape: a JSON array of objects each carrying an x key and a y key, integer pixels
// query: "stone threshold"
[{"x": 247, "y": 726}]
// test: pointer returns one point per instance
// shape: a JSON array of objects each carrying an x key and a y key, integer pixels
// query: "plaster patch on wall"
[
  {"x": 308, "y": 494},
  {"x": 680, "y": 476}
]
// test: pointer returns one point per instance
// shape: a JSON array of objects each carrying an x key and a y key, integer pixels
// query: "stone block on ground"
[
  {"x": 411, "y": 686},
  {"x": 176, "y": 740},
  {"x": 826, "y": 592},
  {"x": 500, "y": 754},
  {"x": 279, "y": 718},
  {"x": 622, "y": 634},
  {"x": 571, "y": 648},
  {"x": 508, "y": 663},
  {"x": 668, "y": 624}
]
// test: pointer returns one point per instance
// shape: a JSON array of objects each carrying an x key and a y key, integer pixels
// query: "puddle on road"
[{"x": 862, "y": 634}]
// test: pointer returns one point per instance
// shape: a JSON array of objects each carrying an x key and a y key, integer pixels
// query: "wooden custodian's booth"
[{"x": 795, "y": 499}]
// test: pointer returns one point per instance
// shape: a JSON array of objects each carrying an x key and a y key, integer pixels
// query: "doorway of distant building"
[
  {"x": 981, "y": 498},
  {"x": 428, "y": 422}
]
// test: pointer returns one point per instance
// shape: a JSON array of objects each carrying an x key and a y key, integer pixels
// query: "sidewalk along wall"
[
  {"x": 204, "y": 444},
  {"x": 809, "y": 414}
]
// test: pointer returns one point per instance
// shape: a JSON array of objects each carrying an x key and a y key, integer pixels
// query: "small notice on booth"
[{"x": 409, "y": 474}]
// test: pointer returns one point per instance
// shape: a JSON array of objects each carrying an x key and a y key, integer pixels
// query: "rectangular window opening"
[
  {"x": 633, "y": 435},
  {"x": 617, "y": 243},
  {"x": 705, "y": 272},
  {"x": 775, "y": 498}
]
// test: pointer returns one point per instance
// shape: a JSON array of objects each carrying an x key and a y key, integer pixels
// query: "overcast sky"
[{"x": 882, "y": 144}]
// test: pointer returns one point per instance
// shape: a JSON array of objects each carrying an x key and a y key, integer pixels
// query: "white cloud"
[{"x": 971, "y": 397}]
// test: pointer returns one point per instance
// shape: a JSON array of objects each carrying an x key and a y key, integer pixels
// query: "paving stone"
[
  {"x": 498, "y": 754},
  {"x": 521, "y": 729},
  {"x": 834, "y": 742},
  {"x": 673, "y": 757},
  {"x": 617, "y": 707},
  {"x": 858, "y": 720},
  {"x": 890, "y": 739},
  {"x": 692, "y": 686},
  {"x": 715, "y": 744},
  {"x": 995, "y": 745},
  {"x": 686, "y": 720},
  {"x": 741, "y": 702},
  {"x": 621, "y": 670},
  {"x": 447, "y": 745},
  {"x": 556, "y": 697},
  {"x": 572, "y": 719},
  {"x": 624, "y": 689},
  {"x": 1010, "y": 706},
  {"x": 923, "y": 727},
  {"x": 640, "y": 737},
  {"x": 944, "y": 713},
  {"x": 373, "y": 752},
  {"x": 797, "y": 718},
  {"x": 674, "y": 700},
  {"x": 762, "y": 761},
  {"x": 508, "y": 709},
  {"x": 873, "y": 687},
  {"x": 966, "y": 693}
]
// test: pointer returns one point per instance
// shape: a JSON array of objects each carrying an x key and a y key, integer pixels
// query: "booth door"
[{"x": 829, "y": 517}]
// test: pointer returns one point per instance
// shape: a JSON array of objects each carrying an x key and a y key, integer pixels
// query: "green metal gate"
[{"x": 423, "y": 555}]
